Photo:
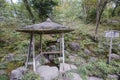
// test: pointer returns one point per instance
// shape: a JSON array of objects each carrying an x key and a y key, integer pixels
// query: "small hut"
[{"x": 47, "y": 27}]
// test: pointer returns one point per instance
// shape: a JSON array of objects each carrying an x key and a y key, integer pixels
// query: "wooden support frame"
[
  {"x": 33, "y": 52},
  {"x": 110, "y": 50},
  {"x": 40, "y": 43},
  {"x": 31, "y": 49},
  {"x": 63, "y": 53}
]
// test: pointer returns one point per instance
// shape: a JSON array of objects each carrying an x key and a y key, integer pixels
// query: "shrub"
[
  {"x": 4, "y": 77},
  {"x": 31, "y": 76}
]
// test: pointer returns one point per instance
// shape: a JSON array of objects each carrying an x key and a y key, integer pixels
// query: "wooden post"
[
  {"x": 33, "y": 52},
  {"x": 63, "y": 55},
  {"x": 29, "y": 51},
  {"x": 110, "y": 50},
  {"x": 60, "y": 45},
  {"x": 41, "y": 43}
]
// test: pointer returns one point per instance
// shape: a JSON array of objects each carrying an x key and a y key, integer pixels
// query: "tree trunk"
[
  {"x": 29, "y": 10},
  {"x": 100, "y": 10},
  {"x": 85, "y": 12},
  {"x": 14, "y": 7},
  {"x": 113, "y": 12}
]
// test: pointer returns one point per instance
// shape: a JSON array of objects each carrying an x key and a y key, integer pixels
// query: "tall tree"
[
  {"x": 43, "y": 7},
  {"x": 100, "y": 8},
  {"x": 29, "y": 10}
]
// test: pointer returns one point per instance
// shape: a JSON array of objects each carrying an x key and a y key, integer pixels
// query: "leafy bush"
[
  {"x": 4, "y": 77},
  {"x": 31, "y": 76},
  {"x": 99, "y": 69}
]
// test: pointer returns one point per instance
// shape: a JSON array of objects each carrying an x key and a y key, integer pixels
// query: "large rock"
[
  {"x": 66, "y": 67},
  {"x": 92, "y": 59},
  {"x": 86, "y": 51},
  {"x": 112, "y": 77},
  {"x": 115, "y": 56},
  {"x": 47, "y": 73},
  {"x": 72, "y": 58},
  {"x": 70, "y": 76},
  {"x": 18, "y": 73},
  {"x": 94, "y": 78},
  {"x": 77, "y": 59},
  {"x": 40, "y": 59},
  {"x": 74, "y": 46},
  {"x": 75, "y": 76},
  {"x": 10, "y": 57}
]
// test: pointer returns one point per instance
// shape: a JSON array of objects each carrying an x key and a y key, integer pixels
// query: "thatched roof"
[{"x": 47, "y": 27}]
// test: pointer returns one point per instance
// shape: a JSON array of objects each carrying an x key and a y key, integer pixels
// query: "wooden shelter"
[{"x": 47, "y": 27}]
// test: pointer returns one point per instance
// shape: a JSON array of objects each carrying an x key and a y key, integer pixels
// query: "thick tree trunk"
[
  {"x": 29, "y": 10},
  {"x": 100, "y": 10}
]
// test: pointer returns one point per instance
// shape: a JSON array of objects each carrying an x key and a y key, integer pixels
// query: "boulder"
[
  {"x": 18, "y": 73},
  {"x": 94, "y": 78},
  {"x": 77, "y": 59},
  {"x": 74, "y": 46},
  {"x": 40, "y": 59},
  {"x": 72, "y": 58},
  {"x": 75, "y": 76},
  {"x": 66, "y": 67},
  {"x": 86, "y": 51},
  {"x": 115, "y": 56},
  {"x": 47, "y": 73},
  {"x": 92, "y": 59},
  {"x": 112, "y": 77},
  {"x": 9, "y": 57},
  {"x": 70, "y": 76}
]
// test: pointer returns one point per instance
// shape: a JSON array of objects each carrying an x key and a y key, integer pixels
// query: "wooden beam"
[
  {"x": 33, "y": 52},
  {"x": 110, "y": 50},
  {"x": 40, "y": 43},
  {"x": 29, "y": 51},
  {"x": 63, "y": 54},
  {"x": 54, "y": 52}
]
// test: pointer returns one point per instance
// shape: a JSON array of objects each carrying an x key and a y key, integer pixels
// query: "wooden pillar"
[
  {"x": 29, "y": 51},
  {"x": 60, "y": 41},
  {"x": 63, "y": 54},
  {"x": 40, "y": 43},
  {"x": 110, "y": 50},
  {"x": 33, "y": 52}
]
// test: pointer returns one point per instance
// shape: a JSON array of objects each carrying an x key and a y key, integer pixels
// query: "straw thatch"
[{"x": 47, "y": 27}]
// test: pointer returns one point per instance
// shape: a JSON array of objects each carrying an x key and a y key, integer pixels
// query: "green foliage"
[
  {"x": 31, "y": 76},
  {"x": 99, "y": 69},
  {"x": 67, "y": 11},
  {"x": 3, "y": 66},
  {"x": 2, "y": 3},
  {"x": 91, "y": 15},
  {"x": 82, "y": 71},
  {"x": 43, "y": 7},
  {"x": 4, "y": 77}
]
